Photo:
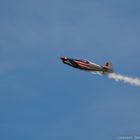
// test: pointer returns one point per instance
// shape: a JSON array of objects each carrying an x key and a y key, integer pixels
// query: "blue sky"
[{"x": 40, "y": 98}]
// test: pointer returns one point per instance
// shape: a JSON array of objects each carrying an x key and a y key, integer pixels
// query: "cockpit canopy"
[{"x": 85, "y": 61}]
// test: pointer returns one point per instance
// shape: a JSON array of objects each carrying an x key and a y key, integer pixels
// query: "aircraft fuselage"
[{"x": 87, "y": 65}]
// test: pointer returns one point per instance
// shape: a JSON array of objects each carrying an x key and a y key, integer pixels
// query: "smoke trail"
[{"x": 125, "y": 79}]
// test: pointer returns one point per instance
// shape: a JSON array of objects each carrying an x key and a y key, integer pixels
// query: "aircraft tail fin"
[{"x": 109, "y": 65}]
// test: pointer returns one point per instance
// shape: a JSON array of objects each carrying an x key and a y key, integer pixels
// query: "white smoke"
[
  {"x": 125, "y": 79},
  {"x": 99, "y": 73}
]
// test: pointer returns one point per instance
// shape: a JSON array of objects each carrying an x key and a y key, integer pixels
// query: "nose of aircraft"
[{"x": 63, "y": 58}]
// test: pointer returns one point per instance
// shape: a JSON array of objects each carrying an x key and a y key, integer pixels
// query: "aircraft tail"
[{"x": 109, "y": 65}]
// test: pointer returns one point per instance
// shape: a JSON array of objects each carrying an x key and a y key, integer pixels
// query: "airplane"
[{"x": 87, "y": 65}]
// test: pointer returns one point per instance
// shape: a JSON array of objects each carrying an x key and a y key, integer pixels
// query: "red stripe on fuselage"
[
  {"x": 82, "y": 63},
  {"x": 87, "y": 66},
  {"x": 84, "y": 66}
]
